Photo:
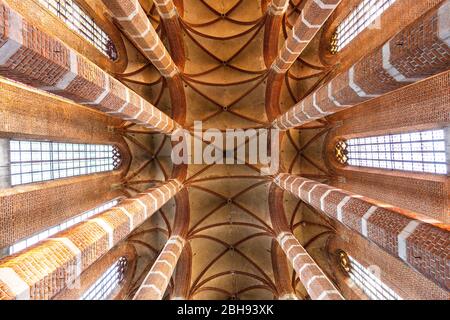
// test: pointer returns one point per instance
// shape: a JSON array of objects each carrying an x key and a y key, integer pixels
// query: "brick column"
[
  {"x": 137, "y": 26},
  {"x": 318, "y": 286},
  {"x": 277, "y": 7},
  {"x": 281, "y": 273},
  {"x": 182, "y": 275},
  {"x": 274, "y": 18},
  {"x": 311, "y": 19},
  {"x": 166, "y": 8},
  {"x": 31, "y": 56},
  {"x": 316, "y": 283},
  {"x": 42, "y": 271},
  {"x": 169, "y": 17},
  {"x": 422, "y": 243},
  {"x": 417, "y": 52},
  {"x": 134, "y": 22},
  {"x": 155, "y": 283}
]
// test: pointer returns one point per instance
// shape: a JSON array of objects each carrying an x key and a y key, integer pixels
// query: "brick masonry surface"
[
  {"x": 421, "y": 106},
  {"x": 33, "y": 208},
  {"x": 42, "y": 271},
  {"x": 135, "y": 23},
  {"x": 420, "y": 242},
  {"x": 311, "y": 19},
  {"x": 417, "y": 52},
  {"x": 316, "y": 283},
  {"x": 155, "y": 283},
  {"x": 30, "y": 56}
]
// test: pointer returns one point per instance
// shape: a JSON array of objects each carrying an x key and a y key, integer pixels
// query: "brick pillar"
[
  {"x": 182, "y": 275},
  {"x": 155, "y": 283},
  {"x": 134, "y": 22},
  {"x": 316, "y": 283},
  {"x": 169, "y": 17},
  {"x": 137, "y": 26},
  {"x": 275, "y": 14},
  {"x": 42, "y": 271},
  {"x": 281, "y": 273},
  {"x": 421, "y": 242},
  {"x": 311, "y": 19},
  {"x": 417, "y": 52},
  {"x": 31, "y": 56},
  {"x": 166, "y": 8},
  {"x": 318, "y": 286},
  {"x": 277, "y": 7}
]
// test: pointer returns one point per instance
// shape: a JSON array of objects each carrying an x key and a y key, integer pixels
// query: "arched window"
[
  {"x": 367, "y": 279},
  {"x": 35, "y": 161},
  {"x": 108, "y": 282},
  {"x": 359, "y": 19},
  {"x": 79, "y": 21},
  {"x": 421, "y": 151},
  {"x": 25, "y": 243}
]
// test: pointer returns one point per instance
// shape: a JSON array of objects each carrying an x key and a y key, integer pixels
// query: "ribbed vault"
[
  {"x": 235, "y": 231},
  {"x": 225, "y": 53}
]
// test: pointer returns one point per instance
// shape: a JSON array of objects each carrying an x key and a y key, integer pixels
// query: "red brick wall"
[
  {"x": 419, "y": 241},
  {"x": 59, "y": 260},
  {"x": 419, "y": 106},
  {"x": 422, "y": 45},
  {"x": 36, "y": 58},
  {"x": 29, "y": 209},
  {"x": 94, "y": 272},
  {"x": 391, "y": 21},
  {"x": 406, "y": 282}
]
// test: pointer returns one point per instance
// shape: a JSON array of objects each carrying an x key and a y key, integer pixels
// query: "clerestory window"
[
  {"x": 35, "y": 161},
  {"x": 364, "y": 15},
  {"x": 367, "y": 279},
  {"x": 108, "y": 282},
  {"x": 79, "y": 21},
  {"x": 420, "y": 151}
]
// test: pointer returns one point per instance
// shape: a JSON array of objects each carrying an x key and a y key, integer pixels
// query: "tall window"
[
  {"x": 366, "y": 279},
  {"x": 76, "y": 19},
  {"x": 105, "y": 285},
  {"x": 34, "y": 161},
  {"x": 359, "y": 19},
  {"x": 423, "y": 151},
  {"x": 23, "y": 244}
]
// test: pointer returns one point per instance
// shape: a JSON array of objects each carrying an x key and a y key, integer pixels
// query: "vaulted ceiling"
[{"x": 224, "y": 79}]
